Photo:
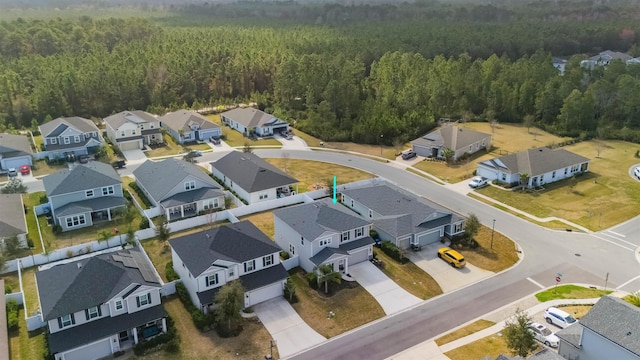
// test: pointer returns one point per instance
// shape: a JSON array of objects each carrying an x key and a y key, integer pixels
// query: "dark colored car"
[
  {"x": 215, "y": 140},
  {"x": 409, "y": 155},
  {"x": 83, "y": 159},
  {"x": 118, "y": 164}
]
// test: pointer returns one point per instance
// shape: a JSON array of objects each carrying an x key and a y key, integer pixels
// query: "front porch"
[
  {"x": 181, "y": 211},
  {"x": 285, "y": 191}
]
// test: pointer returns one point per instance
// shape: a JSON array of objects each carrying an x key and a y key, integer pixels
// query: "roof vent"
[
  {"x": 541, "y": 149},
  {"x": 263, "y": 170},
  {"x": 207, "y": 235},
  {"x": 629, "y": 333},
  {"x": 79, "y": 265}
]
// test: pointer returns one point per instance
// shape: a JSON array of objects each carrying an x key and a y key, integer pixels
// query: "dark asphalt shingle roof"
[
  {"x": 57, "y": 126},
  {"x": 400, "y": 213},
  {"x": 12, "y": 219},
  {"x": 102, "y": 328},
  {"x": 535, "y": 162},
  {"x": 191, "y": 196},
  {"x": 332, "y": 254},
  {"x": 314, "y": 219},
  {"x": 14, "y": 145},
  {"x": 67, "y": 288},
  {"x": 85, "y": 142},
  {"x": 82, "y": 177},
  {"x": 545, "y": 354},
  {"x": 451, "y": 136},
  {"x": 250, "y": 117},
  {"x": 99, "y": 203},
  {"x": 615, "y": 320},
  {"x": 238, "y": 242},
  {"x": 571, "y": 335},
  {"x": 173, "y": 172},
  {"x": 251, "y": 172},
  {"x": 184, "y": 119}
]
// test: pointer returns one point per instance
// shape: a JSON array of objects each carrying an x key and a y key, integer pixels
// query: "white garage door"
[
  {"x": 429, "y": 238},
  {"x": 129, "y": 145},
  {"x": 16, "y": 162},
  {"x": 265, "y": 293},
  {"x": 489, "y": 174},
  {"x": 93, "y": 351},
  {"x": 358, "y": 257}
]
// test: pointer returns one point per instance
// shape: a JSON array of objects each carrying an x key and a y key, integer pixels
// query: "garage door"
[
  {"x": 265, "y": 293},
  {"x": 129, "y": 145},
  {"x": 489, "y": 174},
  {"x": 16, "y": 162},
  {"x": 206, "y": 134},
  {"x": 93, "y": 351},
  {"x": 429, "y": 238},
  {"x": 358, "y": 257}
]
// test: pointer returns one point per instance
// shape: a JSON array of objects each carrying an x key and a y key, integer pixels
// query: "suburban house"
[
  {"x": 130, "y": 130},
  {"x": 75, "y": 135},
  {"x": 605, "y": 58},
  {"x": 208, "y": 259},
  {"x": 541, "y": 165},
  {"x": 12, "y": 219},
  {"x": 559, "y": 64},
  {"x": 400, "y": 217},
  {"x": 187, "y": 126},
  {"x": 85, "y": 195},
  {"x": 15, "y": 151},
  {"x": 97, "y": 306},
  {"x": 252, "y": 178},
  {"x": 178, "y": 187},
  {"x": 321, "y": 233},
  {"x": 450, "y": 136},
  {"x": 608, "y": 331},
  {"x": 250, "y": 121}
]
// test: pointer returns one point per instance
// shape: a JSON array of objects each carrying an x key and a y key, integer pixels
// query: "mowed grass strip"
[
  {"x": 24, "y": 344},
  {"x": 352, "y": 307},
  {"x": 502, "y": 256},
  {"x": 31, "y": 200},
  {"x": 263, "y": 221},
  {"x": 30, "y": 291},
  {"x": 486, "y": 348},
  {"x": 570, "y": 292},
  {"x": 410, "y": 277},
  {"x": 472, "y": 328},
  {"x": 159, "y": 254},
  {"x": 315, "y": 173}
]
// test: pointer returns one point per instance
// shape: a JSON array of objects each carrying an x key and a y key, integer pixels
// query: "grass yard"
[
  {"x": 352, "y": 307},
  {"x": 311, "y": 173},
  {"x": 570, "y": 292},
  {"x": 31, "y": 200},
  {"x": 11, "y": 280},
  {"x": 472, "y": 328},
  {"x": 486, "y": 348},
  {"x": 577, "y": 311},
  {"x": 126, "y": 180},
  {"x": 30, "y": 291},
  {"x": 252, "y": 343},
  {"x": 501, "y": 257},
  {"x": 38, "y": 142},
  {"x": 235, "y": 138},
  {"x": 311, "y": 141},
  {"x": 410, "y": 277},
  {"x": 170, "y": 147},
  {"x": 263, "y": 221},
  {"x": 159, "y": 254},
  {"x": 41, "y": 167},
  {"x": 23, "y": 344}
]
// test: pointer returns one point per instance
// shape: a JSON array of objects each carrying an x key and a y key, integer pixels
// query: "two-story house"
[
  {"x": 84, "y": 195},
  {"x": 454, "y": 137},
  {"x": 15, "y": 151},
  {"x": 188, "y": 126},
  {"x": 322, "y": 233},
  {"x": 75, "y": 135},
  {"x": 250, "y": 121},
  {"x": 400, "y": 217},
  {"x": 253, "y": 178},
  {"x": 608, "y": 331},
  {"x": 178, "y": 187},
  {"x": 130, "y": 130},
  {"x": 100, "y": 305},
  {"x": 208, "y": 259}
]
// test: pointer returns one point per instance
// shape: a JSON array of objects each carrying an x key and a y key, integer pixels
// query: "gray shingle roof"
[
  {"x": 332, "y": 254},
  {"x": 172, "y": 172},
  {"x": 56, "y": 126},
  {"x": 191, "y": 196},
  {"x": 535, "y": 162},
  {"x": 251, "y": 172},
  {"x": 82, "y": 177},
  {"x": 95, "y": 204},
  {"x": 183, "y": 119},
  {"x": 134, "y": 116},
  {"x": 12, "y": 220},
  {"x": 238, "y": 242},
  {"x": 250, "y": 117},
  {"x": 615, "y": 320},
  {"x": 571, "y": 335},
  {"x": 68, "y": 288},
  {"x": 14, "y": 145},
  {"x": 401, "y": 213},
  {"x": 314, "y": 219},
  {"x": 545, "y": 354},
  {"x": 99, "y": 329},
  {"x": 451, "y": 136}
]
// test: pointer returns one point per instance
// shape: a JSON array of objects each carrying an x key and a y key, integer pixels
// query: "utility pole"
[{"x": 493, "y": 228}]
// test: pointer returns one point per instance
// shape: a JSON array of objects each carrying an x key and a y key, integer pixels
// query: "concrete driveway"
[
  {"x": 134, "y": 156},
  {"x": 448, "y": 277},
  {"x": 389, "y": 295},
  {"x": 284, "y": 324},
  {"x": 295, "y": 143}
]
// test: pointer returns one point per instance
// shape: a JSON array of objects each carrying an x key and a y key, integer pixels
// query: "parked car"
[
  {"x": 12, "y": 172},
  {"x": 25, "y": 169},
  {"x": 83, "y": 159},
  {"x": 636, "y": 172},
  {"x": 408, "y": 155},
  {"x": 544, "y": 335},
  {"x": 558, "y": 317},
  {"x": 214, "y": 140},
  {"x": 478, "y": 182},
  {"x": 118, "y": 164},
  {"x": 194, "y": 153},
  {"x": 451, "y": 256}
]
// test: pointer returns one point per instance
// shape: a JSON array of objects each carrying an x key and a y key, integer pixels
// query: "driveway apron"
[
  {"x": 387, "y": 293},
  {"x": 134, "y": 156},
  {"x": 284, "y": 324}
]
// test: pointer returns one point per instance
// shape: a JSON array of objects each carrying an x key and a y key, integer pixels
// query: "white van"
[{"x": 558, "y": 317}]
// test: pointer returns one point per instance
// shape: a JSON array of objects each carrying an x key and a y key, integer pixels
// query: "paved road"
[{"x": 579, "y": 257}]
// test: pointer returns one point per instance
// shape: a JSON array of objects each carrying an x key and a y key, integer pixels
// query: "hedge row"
[
  {"x": 219, "y": 181},
  {"x": 12, "y": 314},
  {"x": 393, "y": 251},
  {"x": 141, "y": 194},
  {"x": 170, "y": 272},
  {"x": 200, "y": 320}
]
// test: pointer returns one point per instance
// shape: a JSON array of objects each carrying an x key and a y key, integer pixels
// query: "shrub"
[
  {"x": 141, "y": 194},
  {"x": 69, "y": 253},
  {"x": 57, "y": 229},
  {"x": 127, "y": 196},
  {"x": 170, "y": 272},
  {"x": 392, "y": 251},
  {"x": 200, "y": 320},
  {"x": 8, "y": 289},
  {"x": 284, "y": 255},
  {"x": 373, "y": 234},
  {"x": 30, "y": 243},
  {"x": 170, "y": 340},
  {"x": 144, "y": 223},
  {"x": 12, "y": 314}
]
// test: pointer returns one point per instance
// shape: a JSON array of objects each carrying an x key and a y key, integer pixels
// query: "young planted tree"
[
  {"x": 517, "y": 335},
  {"x": 448, "y": 155},
  {"x": 524, "y": 180},
  {"x": 471, "y": 227},
  {"x": 12, "y": 245},
  {"x": 247, "y": 148},
  {"x": 229, "y": 300},
  {"x": 163, "y": 232},
  {"x": 324, "y": 274},
  {"x": 14, "y": 186},
  {"x": 290, "y": 290}
]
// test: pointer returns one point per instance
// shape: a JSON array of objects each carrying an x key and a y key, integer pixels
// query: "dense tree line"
[{"x": 341, "y": 80}]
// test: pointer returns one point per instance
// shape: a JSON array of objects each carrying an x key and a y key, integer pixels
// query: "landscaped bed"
[
  {"x": 570, "y": 292},
  {"x": 313, "y": 175}
]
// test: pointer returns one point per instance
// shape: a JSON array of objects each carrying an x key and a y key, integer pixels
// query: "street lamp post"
[
  {"x": 493, "y": 228},
  {"x": 381, "y": 136}
]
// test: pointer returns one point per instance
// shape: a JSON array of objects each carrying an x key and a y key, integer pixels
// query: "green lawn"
[
  {"x": 30, "y": 291},
  {"x": 410, "y": 277},
  {"x": 41, "y": 167},
  {"x": 25, "y": 345},
  {"x": 160, "y": 255},
  {"x": 313, "y": 175},
  {"x": 38, "y": 142},
  {"x": 486, "y": 348},
  {"x": 170, "y": 147},
  {"x": 570, "y": 292},
  {"x": 464, "y": 331},
  {"x": 31, "y": 200},
  {"x": 125, "y": 186},
  {"x": 11, "y": 280},
  {"x": 235, "y": 138}
]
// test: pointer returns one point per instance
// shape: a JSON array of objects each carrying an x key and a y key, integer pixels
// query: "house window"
[
  {"x": 92, "y": 313},
  {"x": 151, "y": 126},
  {"x": 566, "y": 170},
  {"x": 483, "y": 143},
  {"x": 267, "y": 260},
  {"x": 231, "y": 272},
  {"x": 87, "y": 135},
  {"x": 190, "y": 185},
  {"x": 343, "y": 198},
  {"x": 107, "y": 190},
  {"x": 133, "y": 131},
  {"x": 302, "y": 240},
  {"x": 346, "y": 236},
  {"x": 504, "y": 177},
  {"x": 89, "y": 193},
  {"x": 141, "y": 126},
  {"x": 210, "y": 204},
  {"x": 325, "y": 242},
  {"x": 66, "y": 320},
  {"x": 470, "y": 148},
  {"x": 144, "y": 299},
  {"x": 53, "y": 141},
  {"x": 457, "y": 228},
  {"x": 359, "y": 232},
  {"x": 212, "y": 280},
  {"x": 216, "y": 204},
  {"x": 263, "y": 196},
  {"x": 76, "y": 138},
  {"x": 67, "y": 140},
  {"x": 249, "y": 266},
  {"x": 73, "y": 221},
  {"x": 119, "y": 305},
  {"x": 292, "y": 249}
]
